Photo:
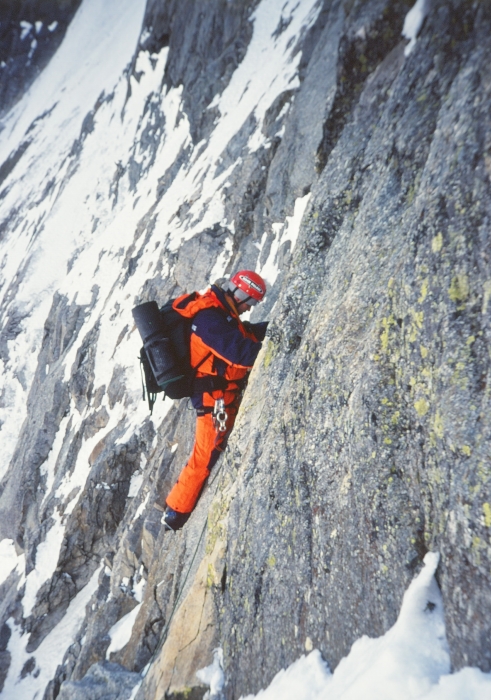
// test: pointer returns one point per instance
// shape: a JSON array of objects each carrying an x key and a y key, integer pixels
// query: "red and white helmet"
[{"x": 247, "y": 286}]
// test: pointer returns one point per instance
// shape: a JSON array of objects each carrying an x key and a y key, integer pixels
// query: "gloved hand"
[
  {"x": 258, "y": 329},
  {"x": 202, "y": 385}
]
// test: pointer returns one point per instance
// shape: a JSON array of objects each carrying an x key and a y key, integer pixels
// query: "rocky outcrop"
[
  {"x": 363, "y": 436},
  {"x": 102, "y": 681}
]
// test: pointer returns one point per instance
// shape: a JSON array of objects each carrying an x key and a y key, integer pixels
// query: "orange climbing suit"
[{"x": 209, "y": 443}]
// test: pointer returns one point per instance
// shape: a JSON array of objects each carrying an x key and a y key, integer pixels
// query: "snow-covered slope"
[
  {"x": 47, "y": 211},
  {"x": 165, "y": 144}
]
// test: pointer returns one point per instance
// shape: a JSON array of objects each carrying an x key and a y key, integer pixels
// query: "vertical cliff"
[{"x": 351, "y": 167}]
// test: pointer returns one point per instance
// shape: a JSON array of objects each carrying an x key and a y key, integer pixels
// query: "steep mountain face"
[{"x": 312, "y": 142}]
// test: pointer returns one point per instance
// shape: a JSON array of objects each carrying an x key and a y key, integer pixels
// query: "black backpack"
[{"x": 165, "y": 355}]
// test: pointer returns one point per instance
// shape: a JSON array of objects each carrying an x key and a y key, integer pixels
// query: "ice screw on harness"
[{"x": 220, "y": 416}]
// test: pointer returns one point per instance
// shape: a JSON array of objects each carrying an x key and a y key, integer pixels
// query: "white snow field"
[{"x": 67, "y": 229}]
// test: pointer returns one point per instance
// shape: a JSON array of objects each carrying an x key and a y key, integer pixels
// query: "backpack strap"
[{"x": 148, "y": 380}]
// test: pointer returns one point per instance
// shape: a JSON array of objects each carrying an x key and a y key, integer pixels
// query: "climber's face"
[{"x": 243, "y": 307}]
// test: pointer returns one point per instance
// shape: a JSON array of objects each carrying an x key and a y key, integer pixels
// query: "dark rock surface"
[
  {"x": 103, "y": 682},
  {"x": 25, "y": 50},
  {"x": 364, "y": 436},
  {"x": 206, "y": 44}
]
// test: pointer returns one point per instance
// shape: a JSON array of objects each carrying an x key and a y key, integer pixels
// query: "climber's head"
[{"x": 246, "y": 288}]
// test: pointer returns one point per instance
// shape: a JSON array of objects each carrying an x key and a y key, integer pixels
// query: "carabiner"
[{"x": 220, "y": 416}]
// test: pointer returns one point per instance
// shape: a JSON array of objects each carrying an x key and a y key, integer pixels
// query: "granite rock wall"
[{"x": 363, "y": 437}]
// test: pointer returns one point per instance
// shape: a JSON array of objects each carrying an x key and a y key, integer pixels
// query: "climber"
[{"x": 225, "y": 349}]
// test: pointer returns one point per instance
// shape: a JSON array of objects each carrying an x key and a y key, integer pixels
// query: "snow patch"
[
  {"x": 306, "y": 679},
  {"x": 34, "y": 44},
  {"x": 410, "y": 662},
  {"x": 287, "y": 231},
  {"x": 139, "y": 587},
  {"x": 120, "y": 633},
  {"x": 47, "y": 468},
  {"x": 25, "y": 29},
  {"x": 142, "y": 506},
  {"x": 9, "y": 559},
  {"x": 135, "y": 484},
  {"x": 135, "y": 691},
  {"x": 50, "y": 652},
  {"x": 222, "y": 260},
  {"x": 47, "y": 555},
  {"x": 412, "y": 24},
  {"x": 213, "y": 675}
]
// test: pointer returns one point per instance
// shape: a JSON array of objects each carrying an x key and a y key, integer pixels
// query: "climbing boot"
[{"x": 174, "y": 520}]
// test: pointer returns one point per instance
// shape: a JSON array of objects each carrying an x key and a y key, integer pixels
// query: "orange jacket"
[{"x": 219, "y": 340}]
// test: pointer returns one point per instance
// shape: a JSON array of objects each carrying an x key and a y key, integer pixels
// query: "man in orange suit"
[{"x": 224, "y": 349}]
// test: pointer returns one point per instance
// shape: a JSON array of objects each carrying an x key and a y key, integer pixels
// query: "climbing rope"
[
  {"x": 163, "y": 635},
  {"x": 165, "y": 630}
]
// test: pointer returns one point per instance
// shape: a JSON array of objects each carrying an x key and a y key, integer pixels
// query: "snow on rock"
[
  {"x": 409, "y": 662},
  {"x": 285, "y": 232},
  {"x": 412, "y": 24},
  {"x": 120, "y": 633},
  {"x": 213, "y": 675},
  {"x": 9, "y": 559},
  {"x": 46, "y": 560},
  {"x": 26, "y": 29},
  {"x": 135, "y": 485},
  {"x": 34, "y": 44},
  {"x": 49, "y": 653},
  {"x": 90, "y": 214},
  {"x": 67, "y": 89}
]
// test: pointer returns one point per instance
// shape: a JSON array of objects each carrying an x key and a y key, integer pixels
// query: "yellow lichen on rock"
[
  {"x": 437, "y": 243},
  {"x": 422, "y": 407},
  {"x": 459, "y": 288}
]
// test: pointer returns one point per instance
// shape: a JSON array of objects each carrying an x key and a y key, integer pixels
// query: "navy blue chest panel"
[{"x": 220, "y": 331}]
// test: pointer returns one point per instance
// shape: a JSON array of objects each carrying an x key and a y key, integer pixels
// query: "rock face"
[
  {"x": 363, "y": 440},
  {"x": 101, "y": 682},
  {"x": 30, "y": 33}
]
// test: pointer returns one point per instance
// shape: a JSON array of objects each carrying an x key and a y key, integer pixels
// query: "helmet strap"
[
  {"x": 232, "y": 300},
  {"x": 238, "y": 302}
]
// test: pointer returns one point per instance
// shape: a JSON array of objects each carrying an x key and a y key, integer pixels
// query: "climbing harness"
[{"x": 220, "y": 416}]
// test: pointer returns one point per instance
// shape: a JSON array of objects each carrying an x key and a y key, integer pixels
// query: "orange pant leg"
[{"x": 208, "y": 445}]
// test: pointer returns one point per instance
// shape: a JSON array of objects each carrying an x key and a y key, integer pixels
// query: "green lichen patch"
[{"x": 459, "y": 288}]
